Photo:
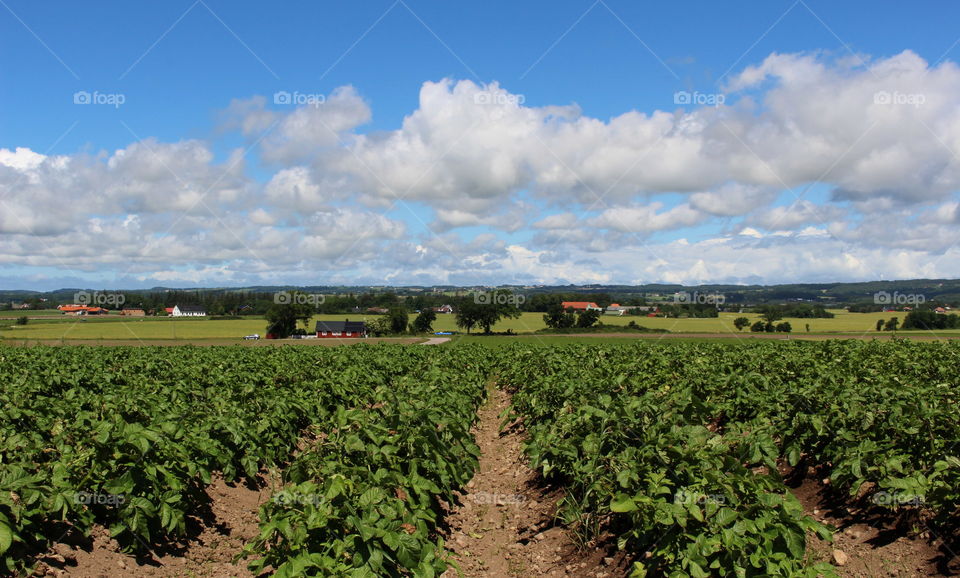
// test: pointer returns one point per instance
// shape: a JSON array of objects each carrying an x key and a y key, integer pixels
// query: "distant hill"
[{"x": 828, "y": 294}]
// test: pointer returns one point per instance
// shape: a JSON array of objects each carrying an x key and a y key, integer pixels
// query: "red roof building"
[
  {"x": 580, "y": 306},
  {"x": 81, "y": 310}
]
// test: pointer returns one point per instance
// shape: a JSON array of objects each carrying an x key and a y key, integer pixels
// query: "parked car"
[{"x": 254, "y": 336}]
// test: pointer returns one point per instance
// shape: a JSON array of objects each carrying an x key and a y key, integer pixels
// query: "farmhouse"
[
  {"x": 616, "y": 309},
  {"x": 331, "y": 329},
  {"x": 81, "y": 310},
  {"x": 188, "y": 311},
  {"x": 443, "y": 309},
  {"x": 580, "y": 306}
]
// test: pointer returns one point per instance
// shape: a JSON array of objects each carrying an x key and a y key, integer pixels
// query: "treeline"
[
  {"x": 680, "y": 310},
  {"x": 227, "y": 302},
  {"x": 795, "y": 310},
  {"x": 252, "y": 303},
  {"x": 930, "y": 320}
]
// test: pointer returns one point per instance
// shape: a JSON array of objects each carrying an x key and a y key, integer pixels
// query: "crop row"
[
  {"x": 677, "y": 448},
  {"x": 129, "y": 437},
  {"x": 365, "y": 498}
]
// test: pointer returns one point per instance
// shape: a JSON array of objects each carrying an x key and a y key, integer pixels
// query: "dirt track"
[{"x": 505, "y": 524}]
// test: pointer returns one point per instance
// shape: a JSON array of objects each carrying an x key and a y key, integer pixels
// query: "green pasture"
[{"x": 114, "y": 327}]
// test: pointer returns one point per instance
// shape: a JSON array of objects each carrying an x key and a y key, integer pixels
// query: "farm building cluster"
[
  {"x": 612, "y": 309},
  {"x": 175, "y": 311}
]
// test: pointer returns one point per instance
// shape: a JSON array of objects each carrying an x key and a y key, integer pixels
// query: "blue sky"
[{"x": 496, "y": 142}]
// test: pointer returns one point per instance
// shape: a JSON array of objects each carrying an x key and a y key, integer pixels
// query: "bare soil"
[
  {"x": 869, "y": 542},
  {"x": 216, "y": 536},
  {"x": 505, "y": 523}
]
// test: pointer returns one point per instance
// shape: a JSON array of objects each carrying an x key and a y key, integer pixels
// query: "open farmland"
[
  {"x": 685, "y": 459},
  {"x": 116, "y": 328}
]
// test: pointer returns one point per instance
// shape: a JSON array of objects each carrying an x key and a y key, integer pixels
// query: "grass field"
[
  {"x": 181, "y": 329},
  {"x": 13, "y": 314}
]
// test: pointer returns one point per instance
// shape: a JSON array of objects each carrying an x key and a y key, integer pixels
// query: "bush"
[{"x": 22, "y": 320}]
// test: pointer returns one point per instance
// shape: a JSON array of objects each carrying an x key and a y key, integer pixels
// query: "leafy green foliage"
[
  {"x": 677, "y": 446},
  {"x": 424, "y": 321},
  {"x": 129, "y": 437},
  {"x": 397, "y": 317},
  {"x": 282, "y": 317},
  {"x": 366, "y": 496},
  {"x": 483, "y": 310}
]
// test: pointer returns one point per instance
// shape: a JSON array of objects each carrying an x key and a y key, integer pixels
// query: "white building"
[{"x": 188, "y": 311}]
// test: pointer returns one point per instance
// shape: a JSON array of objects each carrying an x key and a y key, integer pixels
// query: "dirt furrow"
[{"x": 505, "y": 525}]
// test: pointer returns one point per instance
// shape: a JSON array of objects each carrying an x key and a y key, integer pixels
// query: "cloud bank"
[{"x": 811, "y": 169}]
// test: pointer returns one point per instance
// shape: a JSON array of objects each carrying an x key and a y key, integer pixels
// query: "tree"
[
  {"x": 282, "y": 317},
  {"x": 397, "y": 317},
  {"x": 771, "y": 314},
  {"x": 929, "y": 319},
  {"x": 784, "y": 327},
  {"x": 587, "y": 318},
  {"x": 23, "y": 320},
  {"x": 880, "y": 324},
  {"x": 424, "y": 322},
  {"x": 740, "y": 323},
  {"x": 758, "y": 327},
  {"x": 379, "y": 326},
  {"x": 485, "y": 309},
  {"x": 557, "y": 318},
  {"x": 892, "y": 324}
]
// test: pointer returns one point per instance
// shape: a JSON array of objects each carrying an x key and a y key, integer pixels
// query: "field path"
[
  {"x": 436, "y": 341},
  {"x": 505, "y": 525}
]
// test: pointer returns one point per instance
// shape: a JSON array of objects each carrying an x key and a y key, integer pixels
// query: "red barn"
[{"x": 341, "y": 329}]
